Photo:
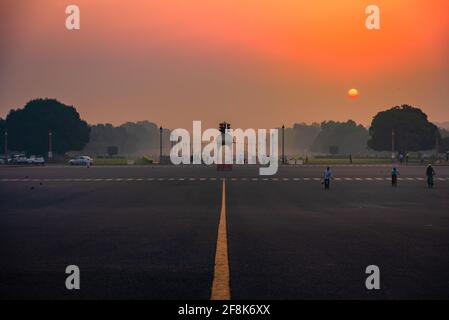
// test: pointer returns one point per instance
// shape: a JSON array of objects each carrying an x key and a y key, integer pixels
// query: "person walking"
[
  {"x": 430, "y": 172},
  {"x": 394, "y": 177},
  {"x": 327, "y": 178}
]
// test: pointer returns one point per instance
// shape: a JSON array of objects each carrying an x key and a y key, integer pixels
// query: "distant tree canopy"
[
  {"x": 413, "y": 132},
  {"x": 29, "y": 127},
  {"x": 299, "y": 138},
  {"x": 444, "y": 133},
  {"x": 112, "y": 151},
  {"x": 131, "y": 138},
  {"x": 2, "y": 135},
  {"x": 346, "y": 137},
  {"x": 444, "y": 145}
]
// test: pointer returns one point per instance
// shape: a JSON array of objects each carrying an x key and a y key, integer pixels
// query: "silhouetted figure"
[
  {"x": 327, "y": 178},
  {"x": 430, "y": 173},
  {"x": 394, "y": 177},
  {"x": 350, "y": 158}
]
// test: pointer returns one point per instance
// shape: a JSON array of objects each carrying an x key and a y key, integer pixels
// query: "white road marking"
[{"x": 215, "y": 179}]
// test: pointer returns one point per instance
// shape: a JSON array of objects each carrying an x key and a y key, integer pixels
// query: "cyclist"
[{"x": 327, "y": 178}]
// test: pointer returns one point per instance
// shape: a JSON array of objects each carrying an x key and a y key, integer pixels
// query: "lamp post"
[
  {"x": 160, "y": 145},
  {"x": 392, "y": 144},
  {"x": 437, "y": 144},
  {"x": 283, "y": 145},
  {"x": 50, "y": 147},
  {"x": 6, "y": 146}
]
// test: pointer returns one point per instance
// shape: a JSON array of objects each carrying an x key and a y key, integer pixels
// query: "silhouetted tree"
[
  {"x": 345, "y": 137},
  {"x": 444, "y": 133},
  {"x": 28, "y": 128},
  {"x": 413, "y": 131},
  {"x": 112, "y": 150},
  {"x": 2, "y": 135},
  {"x": 132, "y": 138}
]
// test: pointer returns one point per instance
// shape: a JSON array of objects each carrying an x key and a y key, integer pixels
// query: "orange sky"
[{"x": 253, "y": 63}]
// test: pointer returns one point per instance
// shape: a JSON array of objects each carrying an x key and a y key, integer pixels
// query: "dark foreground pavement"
[
  {"x": 129, "y": 240},
  {"x": 151, "y": 233}
]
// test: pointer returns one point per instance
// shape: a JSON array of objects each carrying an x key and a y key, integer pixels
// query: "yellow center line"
[{"x": 220, "y": 285}]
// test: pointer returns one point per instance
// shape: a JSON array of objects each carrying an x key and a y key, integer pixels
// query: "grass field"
[
  {"x": 346, "y": 161},
  {"x": 122, "y": 161},
  {"x": 110, "y": 162}
]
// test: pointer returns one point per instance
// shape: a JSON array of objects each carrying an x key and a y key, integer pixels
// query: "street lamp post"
[
  {"x": 437, "y": 145},
  {"x": 50, "y": 146},
  {"x": 283, "y": 145},
  {"x": 160, "y": 145},
  {"x": 6, "y": 146},
  {"x": 392, "y": 144}
]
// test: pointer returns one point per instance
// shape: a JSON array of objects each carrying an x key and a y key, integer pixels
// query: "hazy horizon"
[{"x": 252, "y": 63}]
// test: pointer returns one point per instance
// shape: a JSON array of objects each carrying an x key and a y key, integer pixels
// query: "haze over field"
[{"x": 253, "y": 63}]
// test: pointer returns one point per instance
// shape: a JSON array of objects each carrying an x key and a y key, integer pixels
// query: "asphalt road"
[{"x": 151, "y": 232}]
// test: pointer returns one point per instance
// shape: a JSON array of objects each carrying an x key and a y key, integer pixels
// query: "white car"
[
  {"x": 19, "y": 159},
  {"x": 36, "y": 160},
  {"x": 81, "y": 161}
]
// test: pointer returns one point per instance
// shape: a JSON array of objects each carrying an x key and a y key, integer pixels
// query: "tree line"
[{"x": 29, "y": 129}]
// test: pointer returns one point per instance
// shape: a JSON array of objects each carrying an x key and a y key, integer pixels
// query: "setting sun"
[{"x": 353, "y": 93}]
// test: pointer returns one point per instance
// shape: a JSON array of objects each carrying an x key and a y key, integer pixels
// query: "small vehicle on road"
[
  {"x": 36, "y": 160},
  {"x": 81, "y": 161}
]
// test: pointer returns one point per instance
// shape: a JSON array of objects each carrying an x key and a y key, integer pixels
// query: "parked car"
[
  {"x": 36, "y": 160},
  {"x": 81, "y": 161},
  {"x": 19, "y": 159}
]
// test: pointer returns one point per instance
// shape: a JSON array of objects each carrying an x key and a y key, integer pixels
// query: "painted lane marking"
[{"x": 221, "y": 284}]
